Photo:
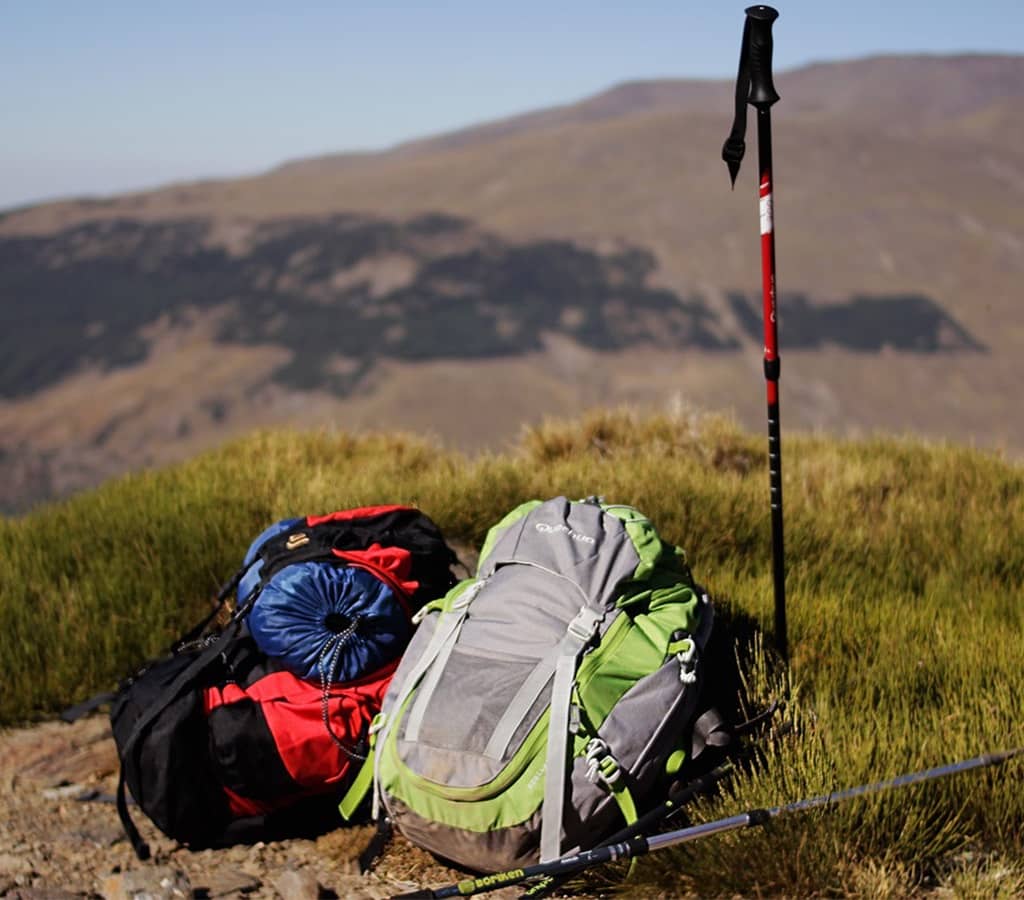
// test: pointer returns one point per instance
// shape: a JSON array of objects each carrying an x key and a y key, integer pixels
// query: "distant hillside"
[
  {"x": 902, "y": 93},
  {"x": 590, "y": 253}
]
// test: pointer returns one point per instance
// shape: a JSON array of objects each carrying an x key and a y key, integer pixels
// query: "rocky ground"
[{"x": 56, "y": 845}]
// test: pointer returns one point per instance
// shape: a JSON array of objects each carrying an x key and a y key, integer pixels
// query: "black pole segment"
[
  {"x": 778, "y": 543},
  {"x": 640, "y": 846}
]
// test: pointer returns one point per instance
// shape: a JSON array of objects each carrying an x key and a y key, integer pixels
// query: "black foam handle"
[{"x": 762, "y": 88}]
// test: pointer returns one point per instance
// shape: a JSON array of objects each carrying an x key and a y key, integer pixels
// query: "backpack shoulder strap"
[{"x": 184, "y": 681}]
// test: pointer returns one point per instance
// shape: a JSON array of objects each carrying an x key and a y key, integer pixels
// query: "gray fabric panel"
[
  {"x": 488, "y": 851},
  {"x": 466, "y": 707},
  {"x": 578, "y": 540},
  {"x": 643, "y": 728},
  {"x": 416, "y": 648},
  {"x": 521, "y": 610}
]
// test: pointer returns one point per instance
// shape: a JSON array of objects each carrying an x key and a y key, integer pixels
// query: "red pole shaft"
[
  {"x": 772, "y": 368},
  {"x": 771, "y": 328}
]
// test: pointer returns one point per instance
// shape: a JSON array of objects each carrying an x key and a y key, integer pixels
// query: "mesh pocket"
[{"x": 470, "y": 699}]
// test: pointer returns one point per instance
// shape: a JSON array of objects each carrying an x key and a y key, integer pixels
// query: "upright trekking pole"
[{"x": 754, "y": 86}]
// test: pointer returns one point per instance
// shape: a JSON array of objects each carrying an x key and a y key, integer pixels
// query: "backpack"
[
  {"x": 252, "y": 732},
  {"x": 549, "y": 699}
]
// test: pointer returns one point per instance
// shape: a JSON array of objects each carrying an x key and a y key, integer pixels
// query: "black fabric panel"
[
  {"x": 246, "y": 756},
  {"x": 244, "y": 663},
  {"x": 308, "y": 817},
  {"x": 167, "y": 773}
]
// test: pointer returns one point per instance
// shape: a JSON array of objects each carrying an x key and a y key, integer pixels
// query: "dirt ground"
[{"x": 54, "y": 845}]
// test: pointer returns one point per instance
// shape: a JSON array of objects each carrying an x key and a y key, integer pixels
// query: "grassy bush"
[{"x": 905, "y": 572}]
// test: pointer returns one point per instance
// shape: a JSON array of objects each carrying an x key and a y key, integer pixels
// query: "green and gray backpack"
[{"x": 541, "y": 703}]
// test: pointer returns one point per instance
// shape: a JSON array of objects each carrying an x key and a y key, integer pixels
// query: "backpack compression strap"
[
  {"x": 407, "y": 528},
  {"x": 579, "y": 633},
  {"x": 74, "y": 713}
]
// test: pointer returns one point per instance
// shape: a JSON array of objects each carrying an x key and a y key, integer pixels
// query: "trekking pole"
[
  {"x": 754, "y": 85},
  {"x": 641, "y": 845},
  {"x": 679, "y": 794},
  {"x": 677, "y": 798}
]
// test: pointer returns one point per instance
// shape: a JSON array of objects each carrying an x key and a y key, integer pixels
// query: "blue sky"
[{"x": 98, "y": 97}]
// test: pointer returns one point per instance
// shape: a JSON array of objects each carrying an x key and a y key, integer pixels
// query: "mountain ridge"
[
  {"x": 531, "y": 269},
  {"x": 681, "y": 95}
]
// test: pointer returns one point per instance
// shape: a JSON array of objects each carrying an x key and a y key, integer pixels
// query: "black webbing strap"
[
  {"x": 222, "y": 596},
  {"x": 709, "y": 730},
  {"x": 735, "y": 144},
  {"x": 375, "y": 848},
  {"x": 74, "y": 713}
]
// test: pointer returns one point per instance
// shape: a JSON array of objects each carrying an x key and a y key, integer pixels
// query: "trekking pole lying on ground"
[
  {"x": 675, "y": 801},
  {"x": 641, "y": 845},
  {"x": 754, "y": 85},
  {"x": 677, "y": 797}
]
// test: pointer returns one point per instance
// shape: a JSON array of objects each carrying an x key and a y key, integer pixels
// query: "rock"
[
  {"x": 14, "y": 865},
  {"x": 98, "y": 834},
  {"x": 222, "y": 882},
  {"x": 153, "y": 883},
  {"x": 43, "y": 893},
  {"x": 355, "y": 887},
  {"x": 298, "y": 884},
  {"x": 63, "y": 791}
]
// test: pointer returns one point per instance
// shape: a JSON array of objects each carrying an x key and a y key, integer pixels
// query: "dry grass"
[{"x": 905, "y": 575}]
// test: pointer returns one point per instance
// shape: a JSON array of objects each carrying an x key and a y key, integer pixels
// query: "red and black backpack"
[{"x": 254, "y": 730}]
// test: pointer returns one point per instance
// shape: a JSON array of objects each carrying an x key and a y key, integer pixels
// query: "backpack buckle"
[
  {"x": 601, "y": 764},
  {"x": 583, "y": 626}
]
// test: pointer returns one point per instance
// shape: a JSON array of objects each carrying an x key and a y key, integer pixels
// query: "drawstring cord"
[{"x": 327, "y": 664}]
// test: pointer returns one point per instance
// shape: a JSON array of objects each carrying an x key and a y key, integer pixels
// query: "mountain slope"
[{"x": 467, "y": 282}]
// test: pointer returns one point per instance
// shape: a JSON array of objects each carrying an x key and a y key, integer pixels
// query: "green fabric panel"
[
  {"x": 514, "y": 516},
  {"x": 662, "y": 586},
  {"x": 654, "y": 552},
  {"x": 630, "y": 651},
  {"x": 641, "y": 532}
]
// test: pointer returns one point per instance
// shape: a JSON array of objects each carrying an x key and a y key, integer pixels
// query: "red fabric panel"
[
  {"x": 293, "y": 711},
  {"x": 363, "y": 512},
  {"x": 243, "y": 806},
  {"x": 392, "y": 565},
  {"x": 219, "y": 696},
  {"x": 309, "y": 754}
]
